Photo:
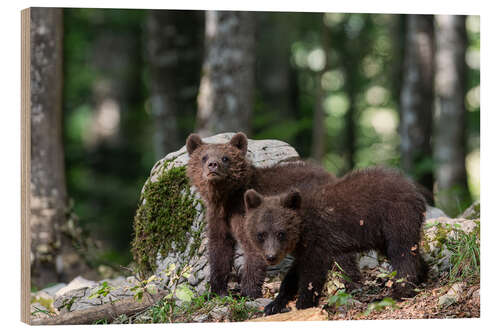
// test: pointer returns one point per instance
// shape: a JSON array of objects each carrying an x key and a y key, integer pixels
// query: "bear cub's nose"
[
  {"x": 212, "y": 165},
  {"x": 271, "y": 258}
]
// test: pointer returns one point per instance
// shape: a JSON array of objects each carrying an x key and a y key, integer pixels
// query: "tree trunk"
[
  {"x": 48, "y": 184},
  {"x": 449, "y": 150},
  {"x": 417, "y": 99},
  {"x": 225, "y": 100},
  {"x": 173, "y": 54}
]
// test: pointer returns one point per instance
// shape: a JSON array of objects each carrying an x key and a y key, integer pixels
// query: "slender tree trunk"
[
  {"x": 449, "y": 150},
  {"x": 48, "y": 183},
  {"x": 173, "y": 54},
  {"x": 417, "y": 99},
  {"x": 225, "y": 100}
]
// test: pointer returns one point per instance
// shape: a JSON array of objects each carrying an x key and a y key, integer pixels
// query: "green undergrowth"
[
  {"x": 166, "y": 212},
  {"x": 465, "y": 256},
  {"x": 232, "y": 308}
]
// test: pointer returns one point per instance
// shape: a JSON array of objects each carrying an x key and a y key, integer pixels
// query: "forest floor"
[
  {"x": 439, "y": 298},
  {"x": 370, "y": 302}
]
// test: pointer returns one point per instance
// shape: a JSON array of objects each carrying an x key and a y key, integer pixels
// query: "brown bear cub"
[
  {"x": 375, "y": 208},
  {"x": 222, "y": 174}
]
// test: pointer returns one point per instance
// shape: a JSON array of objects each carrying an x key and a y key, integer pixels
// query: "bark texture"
[
  {"x": 48, "y": 184},
  {"x": 173, "y": 52},
  {"x": 449, "y": 149},
  {"x": 417, "y": 98},
  {"x": 225, "y": 100}
]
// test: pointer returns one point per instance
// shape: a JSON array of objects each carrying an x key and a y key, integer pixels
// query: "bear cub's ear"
[
  {"x": 292, "y": 199},
  {"x": 239, "y": 140},
  {"x": 252, "y": 199},
  {"x": 192, "y": 142}
]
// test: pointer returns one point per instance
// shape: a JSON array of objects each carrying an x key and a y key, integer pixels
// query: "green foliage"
[
  {"x": 101, "y": 322},
  {"x": 465, "y": 256},
  {"x": 184, "y": 293},
  {"x": 38, "y": 310},
  {"x": 341, "y": 273},
  {"x": 167, "y": 311},
  {"x": 387, "y": 302},
  {"x": 144, "y": 286},
  {"x": 341, "y": 298},
  {"x": 165, "y": 215},
  {"x": 103, "y": 291},
  {"x": 389, "y": 275}
]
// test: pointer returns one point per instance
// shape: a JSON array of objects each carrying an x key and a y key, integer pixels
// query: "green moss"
[
  {"x": 165, "y": 215},
  {"x": 442, "y": 233}
]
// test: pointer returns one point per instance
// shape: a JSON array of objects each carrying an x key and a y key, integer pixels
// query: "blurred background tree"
[
  {"x": 48, "y": 183},
  {"x": 225, "y": 99},
  {"x": 348, "y": 90},
  {"x": 417, "y": 99}
]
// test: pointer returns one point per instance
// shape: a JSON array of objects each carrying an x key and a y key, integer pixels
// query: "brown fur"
[
  {"x": 374, "y": 208},
  {"x": 222, "y": 174}
]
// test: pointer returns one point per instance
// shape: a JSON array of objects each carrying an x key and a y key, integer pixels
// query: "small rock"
[
  {"x": 476, "y": 298},
  {"x": 200, "y": 318},
  {"x": 453, "y": 294},
  {"x": 369, "y": 260},
  {"x": 219, "y": 313},
  {"x": 447, "y": 300},
  {"x": 259, "y": 302},
  {"x": 77, "y": 283},
  {"x": 473, "y": 212},
  {"x": 434, "y": 213}
]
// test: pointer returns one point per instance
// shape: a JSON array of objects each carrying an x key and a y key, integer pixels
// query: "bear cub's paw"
[{"x": 274, "y": 307}]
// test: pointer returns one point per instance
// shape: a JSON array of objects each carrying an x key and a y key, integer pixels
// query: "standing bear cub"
[
  {"x": 375, "y": 208},
  {"x": 222, "y": 173}
]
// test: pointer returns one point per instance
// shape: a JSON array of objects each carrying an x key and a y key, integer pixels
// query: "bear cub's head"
[
  {"x": 273, "y": 223},
  {"x": 217, "y": 163}
]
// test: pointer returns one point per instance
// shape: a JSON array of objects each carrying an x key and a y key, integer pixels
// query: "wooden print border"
[{"x": 25, "y": 165}]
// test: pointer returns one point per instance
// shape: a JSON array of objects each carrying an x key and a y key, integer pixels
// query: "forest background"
[{"x": 347, "y": 90}]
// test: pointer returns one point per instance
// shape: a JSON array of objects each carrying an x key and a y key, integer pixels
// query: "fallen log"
[
  {"x": 109, "y": 311},
  {"x": 311, "y": 314}
]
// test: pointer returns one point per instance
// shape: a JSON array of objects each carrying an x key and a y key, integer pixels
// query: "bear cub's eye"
[
  {"x": 225, "y": 159},
  {"x": 261, "y": 236},
  {"x": 204, "y": 158},
  {"x": 280, "y": 235}
]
